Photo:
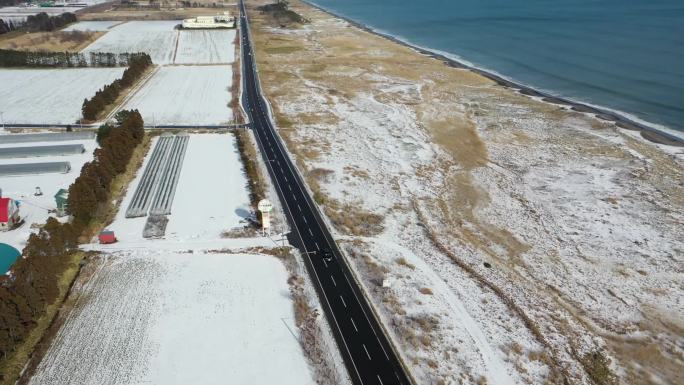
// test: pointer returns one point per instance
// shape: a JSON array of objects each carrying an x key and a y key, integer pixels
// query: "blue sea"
[{"x": 623, "y": 55}]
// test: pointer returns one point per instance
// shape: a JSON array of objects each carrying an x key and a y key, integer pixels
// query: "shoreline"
[{"x": 648, "y": 133}]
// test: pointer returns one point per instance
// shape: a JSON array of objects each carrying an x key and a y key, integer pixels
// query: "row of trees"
[
  {"x": 89, "y": 193},
  {"x": 8, "y": 26},
  {"x": 33, "y": 282},
  {"x": 9, "y": 3},
  {"x": 44, "y": 23},
  {"x": 41, "y": 22},
  {"x": 12, "y": 58},
  {"x": 108, "y": 94}
]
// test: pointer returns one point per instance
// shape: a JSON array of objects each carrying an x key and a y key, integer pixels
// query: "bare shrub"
[
  {"x": 426, "y": 291},
  {"x": 320, "y": 174},
  {"x": 427, "y": 323},
  {"x": 248, "y": 154},
  {"x": 597, "y": 366},
  {"x": 352, "y": 220},
  {"x": 73, "y": 36},
  {"x": 311, "y": 339},
  {"x": 515, "y": 348},
  {"x": 241, "y": 232},
  {"x": 403, "y": 262}
]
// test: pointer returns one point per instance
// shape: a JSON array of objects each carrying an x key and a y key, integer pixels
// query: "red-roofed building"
[
  {"x": 106, "y": 237},
  {"x": 9, "y": 214}
]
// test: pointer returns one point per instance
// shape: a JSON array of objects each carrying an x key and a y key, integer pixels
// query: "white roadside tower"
[{"x": 265, "y": 208}]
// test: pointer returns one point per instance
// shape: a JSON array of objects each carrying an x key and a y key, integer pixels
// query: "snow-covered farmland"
[
  {"x": 50, "y": 96},
  {"x": 205, "y": 47},
  {"x": 34, "y": 209},
  {"x": 177, "y": 318},
  {"x": 211, "y": 196},
  {"x": 105, "y": 25},
  {"x": 185, "y": 95},
  {"x": 162, "y": 41},
  {"x": 157, "y": 38},
  {"x": 205, "y": 205},
  {"x": 170, "y": 311}
]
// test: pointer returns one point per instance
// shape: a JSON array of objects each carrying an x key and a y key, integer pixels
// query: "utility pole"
[{"x": 2, "y": 118}]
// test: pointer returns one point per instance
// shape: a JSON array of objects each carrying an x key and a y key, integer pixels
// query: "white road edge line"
[{"x": 337, "y": 325}]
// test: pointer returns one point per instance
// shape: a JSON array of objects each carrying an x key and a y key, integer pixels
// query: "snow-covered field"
[
  {"x": 185, "y": 95},
  {"x": 19, "y": 14},
  {"x": 206, "y": 47},
  {"x": 34, "y": 209},
  {"x": 157, "y": 38},
  {"x": 184, "y": 309},
  {"x": 52, "y": 96},
  {"x": 165, "y": 44},
  {"x": 148, "y": 317},
  {"x": 211, "y": 196}
]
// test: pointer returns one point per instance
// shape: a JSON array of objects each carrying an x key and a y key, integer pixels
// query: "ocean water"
[{"x": 624, "y": 55}]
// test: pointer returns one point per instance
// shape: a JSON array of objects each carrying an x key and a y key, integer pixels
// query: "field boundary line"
[
  {"x": 175, "y": 50},
  {"x": 134, "y": 91}
]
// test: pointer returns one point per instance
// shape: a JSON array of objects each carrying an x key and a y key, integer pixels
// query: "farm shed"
[
  {"x": 34, "y": 168},
  {"x": 9, "y": 214},
  {"x": 35, "y": 151},
  {"x": 8, "y": 255},
  {"x": 106, "y": 237},
  {"x": 61, "y": 200},
  {"x": 46, "y": 137}
]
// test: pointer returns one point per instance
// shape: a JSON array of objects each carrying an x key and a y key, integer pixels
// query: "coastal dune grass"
[{"x": 468, "y": 118}]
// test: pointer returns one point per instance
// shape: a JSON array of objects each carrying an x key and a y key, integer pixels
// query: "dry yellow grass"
[
  {"x": 155, "y": 14},
  {"x": 344, "y": 63},
  {"x": 57, "y": 41}
]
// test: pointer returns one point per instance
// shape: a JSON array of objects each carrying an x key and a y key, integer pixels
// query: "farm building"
[
  {"x": 211, "y": 22},
  {"x": 46, "y": 137},
  {"x": 34, "y": 168},
  {"x": 56, "y": 150},
  {"x": 61, "y": 200},
  {"x": 8, "y": 255},
  {"x": 107, "y": 237},
  {"x": 9, "y": 214}
]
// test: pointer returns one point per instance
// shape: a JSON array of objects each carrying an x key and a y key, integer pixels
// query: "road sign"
[{"x": 265, "y": 206}]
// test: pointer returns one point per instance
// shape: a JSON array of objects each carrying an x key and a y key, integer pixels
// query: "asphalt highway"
[{"x": 362, "y": 343}]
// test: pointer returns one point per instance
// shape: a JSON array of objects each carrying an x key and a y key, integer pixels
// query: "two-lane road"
[{"x": 364, "y": 347}]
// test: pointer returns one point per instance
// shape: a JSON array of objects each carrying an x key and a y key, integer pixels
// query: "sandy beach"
[{"x": 524, "y": 241}]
